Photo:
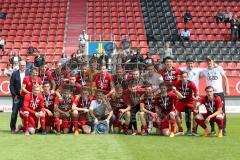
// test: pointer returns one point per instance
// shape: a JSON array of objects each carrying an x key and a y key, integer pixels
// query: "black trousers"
[
  {"x": 221, "y": 95},
  {"x": 133, "y": 120},
  {"x": 15, "y": 109}
]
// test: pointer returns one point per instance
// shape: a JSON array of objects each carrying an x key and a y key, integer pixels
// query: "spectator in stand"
[
  {"x": 219, "y": 16},
  {"x": 126, "y": 44},
  {"x": 185, "y": 35},
  {"x": 148, "y": 59},
  {"x": 83, "y": 38},
  {"x": 14, "y": 60},
  {"x": 138, "y": 59},
  {"x": 8, "y": 70},
  {"x": 104, "y": 59},
  {"x": 2, "y": 44},
  {"x": 29, "y": 64},
  {"x": 234, "y": 28},
  {"x": 39, "y": 60},
  {"x": 227, "y": 17},
  {"x": 94, "y": 58},
  {"x": 187, "y": 17},
  {"x": 168, "y": 50}
]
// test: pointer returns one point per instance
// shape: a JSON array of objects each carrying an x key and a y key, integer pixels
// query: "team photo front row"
[{"x": 59, "y": 102}]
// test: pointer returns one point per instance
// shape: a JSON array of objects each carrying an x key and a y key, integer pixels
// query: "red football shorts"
[{"x": 180, "y": 106}]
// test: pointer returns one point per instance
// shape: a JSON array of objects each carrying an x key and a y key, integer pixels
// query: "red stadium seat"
[{"x": 134, "y": 44}]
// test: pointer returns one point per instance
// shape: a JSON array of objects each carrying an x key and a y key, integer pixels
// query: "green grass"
[{"x": 69, "y": 147}]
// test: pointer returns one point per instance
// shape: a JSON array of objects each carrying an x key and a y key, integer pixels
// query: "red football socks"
[{"x": 201, "y": 123}]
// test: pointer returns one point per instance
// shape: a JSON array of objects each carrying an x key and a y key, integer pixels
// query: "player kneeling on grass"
[
  {"x": 213, "y": 105},
  {"x": 120, "y": 110},
  {"x": 49, "y": 97},
  {"x": 62, "y": 110},
  {"x": 80, "y": 112},
  {"x": 165, "y": 109},
  {"x": 148, "y": 114},
  {"x": 100, "y": 110},
  {"x": 32, "y": 111}
]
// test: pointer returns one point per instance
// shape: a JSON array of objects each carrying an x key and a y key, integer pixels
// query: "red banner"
[
  {"x": 4, "y": 86},
  {"x": 234, "y": 84}
]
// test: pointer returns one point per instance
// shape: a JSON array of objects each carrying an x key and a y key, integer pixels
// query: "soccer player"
[
  {"x": 213, "y": 105},
  {"x": 215, "y": 76},
  {"x": 147, "y": 108},
  {"x": 169, "y": 73},
  {"x": 30, "y": 81},
  {"x": 80, "y": 112},
  {"x": 165, "y": 109},
  {"x": 74, "y": 87},
  {"x": 103, "y": 81},
  {"x": 33, "y": 110},
  {"x": 152, "y": 77},
  {"x": 120, "y": 110},
  {"x": 186, "y": 104},
  {"x": 46, "y": 75},
  {"x": 100, "y": 109},
  {"x": 49, "y": 97},
  {"x": 83, "y": 77},
  {"x": 194, "y": 74},
  {"x": 62, "y": 109},
  {"x": 137, "y": 77},
  {"x": 59, "y": 75},
  {"x": 132, "y": 98},
  {"x": 119, "y": 77}
]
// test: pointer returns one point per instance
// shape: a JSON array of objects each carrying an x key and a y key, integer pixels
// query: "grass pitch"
[{"x": 106, "y": 147}]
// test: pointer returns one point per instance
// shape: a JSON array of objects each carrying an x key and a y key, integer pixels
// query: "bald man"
[{"x": 16, "y": 82}]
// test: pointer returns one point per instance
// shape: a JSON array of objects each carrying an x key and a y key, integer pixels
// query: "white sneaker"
[
  {"x": 179, "y": 134},
  {"x": 27, "y": 133},
  {"x": 17, "y": 130}
]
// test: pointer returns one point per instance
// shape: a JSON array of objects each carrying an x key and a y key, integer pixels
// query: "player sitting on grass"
[
  {"x": 62, "y": 110},
  {"x": 80, "y": 112},
  {"x": 100, "y": 110},
  {"x": 213, "y": 105}
]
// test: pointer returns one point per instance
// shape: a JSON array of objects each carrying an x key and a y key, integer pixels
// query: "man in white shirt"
[
  {"x": 193, "y": 73},
  {"x": 100, "y": 110},
  {"x": 185, "y": 35},
  {"x": 16, "y": 82},
  {"x": 83, "y": 38},
  {"x": 2, "y": 44},
  {"x": 152, "y": 77},
  {"x": 215, "y": 76}
]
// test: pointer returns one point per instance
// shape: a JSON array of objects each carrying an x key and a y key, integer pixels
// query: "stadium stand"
[
  {"x": 118, "y": 18},
  {"x": 40, "y": 24},
  {"x": 164, "y": 22}
]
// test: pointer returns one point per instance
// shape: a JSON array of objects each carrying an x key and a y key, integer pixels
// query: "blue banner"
[{"x": 100, "y": 47}]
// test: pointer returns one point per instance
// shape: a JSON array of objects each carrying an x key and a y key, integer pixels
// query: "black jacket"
[{"x": 15, "y": 83}]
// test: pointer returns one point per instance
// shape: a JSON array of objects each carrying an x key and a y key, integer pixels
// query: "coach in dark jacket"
[{"x": 15, "y": 88}]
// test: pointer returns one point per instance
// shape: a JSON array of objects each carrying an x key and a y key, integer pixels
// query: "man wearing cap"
[
  {"x": 83, "y": 38},
  {"x": 215, "y": 76}
]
